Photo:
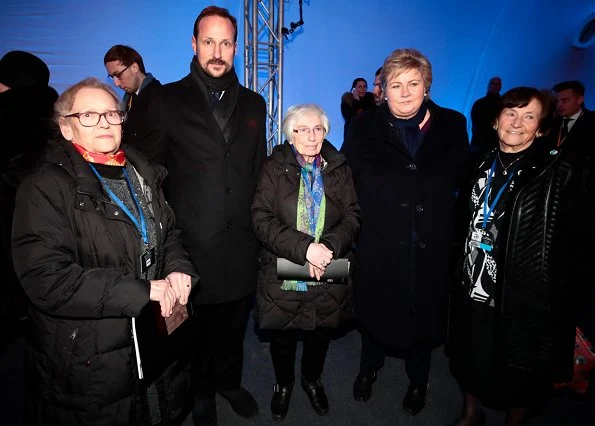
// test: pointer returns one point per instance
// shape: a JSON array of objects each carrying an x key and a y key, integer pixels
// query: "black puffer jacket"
[
  {"x": 76, "y": 255},
  {"x": 274, "y": 212},
  {"x": 543, "y": 265}
]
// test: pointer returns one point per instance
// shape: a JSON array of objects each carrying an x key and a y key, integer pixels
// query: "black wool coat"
[
  {"x": 139, "y": 129},
  {"x": 211, "y": 184},
  {"x": 77, "y": 256},
  {"x": 403, "y": 255},
  {"x": 274, "y": 215}
]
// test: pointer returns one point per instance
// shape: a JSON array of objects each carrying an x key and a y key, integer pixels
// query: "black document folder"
[
  {"x": 155, "y": 346},
  {"x": 337, "y": 272}
]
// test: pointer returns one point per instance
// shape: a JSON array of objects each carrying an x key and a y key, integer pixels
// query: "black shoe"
[
  {"x": 362, "y": 387},
  {"x": 415, "y": 399},
  {"x": 315, "y": 392},
  {"x": 241, "y": 401},
  {"x": 481, "y": 421},
  {"x": 280, "y": 401},
  {"x": 204, "y": 412}
]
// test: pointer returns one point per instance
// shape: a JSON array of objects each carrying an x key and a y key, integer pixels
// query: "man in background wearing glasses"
[{"x": 125, "y": 66}]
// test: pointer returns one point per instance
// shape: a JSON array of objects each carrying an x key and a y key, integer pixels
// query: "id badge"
[
  {"x": 482, "y": 239},
  {"x": 147, "y": 259}
]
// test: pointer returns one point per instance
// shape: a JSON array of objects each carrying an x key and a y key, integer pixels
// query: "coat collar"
[
  {"x": 330, "y": 155},
  {"x": 66, "y": 156}
]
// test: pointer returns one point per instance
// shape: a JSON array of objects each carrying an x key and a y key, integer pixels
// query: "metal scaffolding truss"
[{"x": 263, "y": 59}]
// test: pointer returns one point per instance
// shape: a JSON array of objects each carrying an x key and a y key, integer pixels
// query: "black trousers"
[
  {"x": 218, "y": 348},
  {"x": 417, "y": 359},
  {"x": 283, "y": 348}
]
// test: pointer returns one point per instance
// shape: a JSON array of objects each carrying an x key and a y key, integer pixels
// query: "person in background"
[
  {"x": 522, "y": 271},
  {"x": 483, "y": 114},
  {"x": 408, "y": 157},
  {"x": 26, "y": 112},
  {"x": 305, "y": 210},
  {"x": 93, "y": 243},
  {"x": 356, "y": 101},
  {"x": 377, "y": 90},
  {"x": 126, "y": 67},
  {"x": 574, "y": 127}
]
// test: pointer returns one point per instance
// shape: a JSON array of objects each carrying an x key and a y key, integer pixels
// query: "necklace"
[{"x": 505, "y": 172}]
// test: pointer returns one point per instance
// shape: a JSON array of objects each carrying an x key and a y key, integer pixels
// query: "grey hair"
[
  {"x": 64, "y": 104},
  {"x": 295, "y": 112}
]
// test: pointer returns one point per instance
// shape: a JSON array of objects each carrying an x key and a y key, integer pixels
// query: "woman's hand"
[
  {"x": 318, "y": 255},
  {"x": 180, "y": 283},
  {"x": 163, "y": 293},
  {"x": 355, "y": 94},
  {"x": 315, "y": 272}
]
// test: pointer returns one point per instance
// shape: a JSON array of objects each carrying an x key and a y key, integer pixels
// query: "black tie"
[
  {"x": 217, "y": 94},
  {"x": 565, "y": 122}
]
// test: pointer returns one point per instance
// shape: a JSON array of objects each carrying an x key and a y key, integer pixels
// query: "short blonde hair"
[
  {"x": 403, "y": 60},
  {"x": 295, "y": 112},
  {"x": 63, "y": 105}
]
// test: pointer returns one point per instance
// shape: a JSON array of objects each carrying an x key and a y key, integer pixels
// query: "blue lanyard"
[
  {"x": 142, "y": 227},
  {"x": 486, "y": 212}
]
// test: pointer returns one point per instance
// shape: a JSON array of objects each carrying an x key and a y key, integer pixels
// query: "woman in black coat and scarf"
[
  {"x": 527, "y": 253},
  {"x": 305, "y": 210},
  {"x": 407, "y": 158},
  {"x": 93, "y": 243}
]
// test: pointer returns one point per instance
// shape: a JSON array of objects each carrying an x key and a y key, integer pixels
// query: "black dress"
[{"x": 482, "y": 372}]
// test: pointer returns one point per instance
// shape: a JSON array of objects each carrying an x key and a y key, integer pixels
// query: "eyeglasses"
[
  {"x": 118, "y": 74},
  {"x": 91, "y": 118},
  {"x": 317, "y": 130}
]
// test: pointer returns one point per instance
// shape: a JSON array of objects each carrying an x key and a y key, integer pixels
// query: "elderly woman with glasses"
[
  {"x": 305, "y": 210},
  {"x": 93, "y": 243}
]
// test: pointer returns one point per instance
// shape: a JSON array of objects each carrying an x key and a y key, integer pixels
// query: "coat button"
[
  {"x": 419, "y": 208},
  {"x": 88, "y": 363},
  {"x": 228, "y": 189},
  {"x": 116, "y": 213},
  {"x": 227, "y": 154},
  {"x": 228, "y": 225},
  {"x": 82, "y": 203},
  {"x": 411, "y": 166}
]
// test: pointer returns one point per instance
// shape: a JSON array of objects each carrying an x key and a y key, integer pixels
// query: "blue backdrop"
[{"x": 526, "y": 43}]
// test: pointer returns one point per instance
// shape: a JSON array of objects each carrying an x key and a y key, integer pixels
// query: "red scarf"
[{"x": 117, "y": 159}]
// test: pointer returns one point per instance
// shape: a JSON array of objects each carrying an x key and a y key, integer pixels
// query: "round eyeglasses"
[{"x": 91, "y": 118}]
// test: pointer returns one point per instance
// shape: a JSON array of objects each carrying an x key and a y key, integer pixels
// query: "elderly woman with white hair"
[{"x": 305, "y": 210}]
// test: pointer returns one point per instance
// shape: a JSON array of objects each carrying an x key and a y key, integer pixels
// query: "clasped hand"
[
  {"x": 174, "y": 288},
  {"x": 318, "y": 257}
]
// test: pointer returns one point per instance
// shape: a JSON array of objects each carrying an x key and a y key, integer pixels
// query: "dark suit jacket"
[
  {"x": 581, "y": 137},
  {"x": 140, "y": 129},
  {"x": 211, "y": 184}
]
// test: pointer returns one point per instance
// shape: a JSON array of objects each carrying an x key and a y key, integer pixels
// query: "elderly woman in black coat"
[
  {"x": 526, "y": 255},
  {"x": 305, "y": 210},
  {"x": 407, "y": 158},
  {"x": 93, "y": 243}
]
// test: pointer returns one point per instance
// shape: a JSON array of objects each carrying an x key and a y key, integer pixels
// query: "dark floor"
[{"x": 444, "y": 399}]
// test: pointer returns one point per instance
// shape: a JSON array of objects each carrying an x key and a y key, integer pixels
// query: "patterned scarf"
[
  {"x": 310, "y": 208},
  {"x": 117, "y": 159}
]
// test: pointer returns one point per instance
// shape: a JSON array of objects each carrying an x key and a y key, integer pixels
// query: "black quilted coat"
[
  {"x": 76, "y": 255},
  {"x": 274, "y": 213},
  {"x": 542, "y": 268}
]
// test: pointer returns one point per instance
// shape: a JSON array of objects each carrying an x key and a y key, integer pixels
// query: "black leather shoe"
[
  {"x": 241, "y": 401},
  {"x": 280, "y": 401},
  {"x": 415, "y": 399},
  {"x": 481, "y": 421},
  {"x": 204, "y": 412},
  {"x": 315, "y": 392},
  {"x": 362, "y": 387}
]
